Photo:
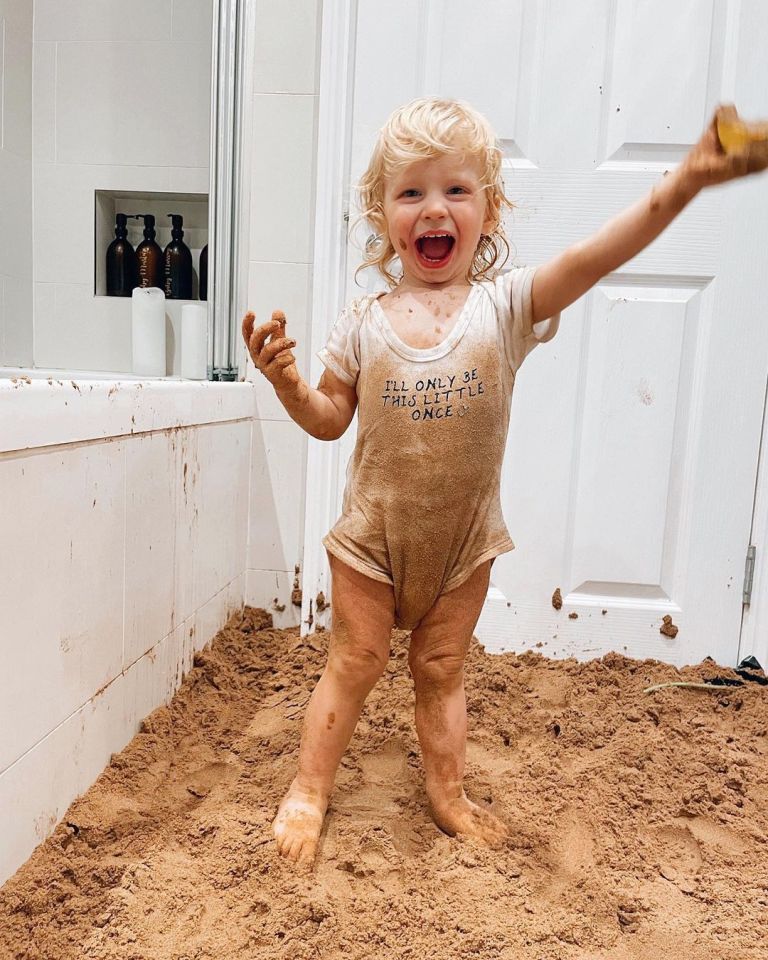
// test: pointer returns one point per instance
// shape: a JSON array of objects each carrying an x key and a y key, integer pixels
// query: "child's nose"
[{"x": 434, "y": 208}]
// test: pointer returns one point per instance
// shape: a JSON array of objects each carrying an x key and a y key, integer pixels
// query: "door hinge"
[{"x": 749, "y": 574}]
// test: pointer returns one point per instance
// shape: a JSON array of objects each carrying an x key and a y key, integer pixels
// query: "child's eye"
[
  {"x": 457, "y": 189},
  {"x": 410, "y": 193}
]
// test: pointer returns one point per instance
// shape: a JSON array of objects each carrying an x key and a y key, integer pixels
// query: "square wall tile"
[
  {"x": 103, "y": 20},
  {"x": 150, "y": 523},
  {"x": 157, "y": 113},
  {"x": 277, "y": 495},
  {"x": 292, "y": 25},
  {"x": 79, "y": 331},
  {"x": 61, "y": 630},
  {"x": 284, "y": 286},
  {"x": 282, "y": 171}
]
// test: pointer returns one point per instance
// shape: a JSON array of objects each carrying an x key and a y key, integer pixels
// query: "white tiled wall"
[
  {"x": 118, "y": 559},
  {"x": 280, "y": 272},
  {"x": 143, "y": 542},
  {"x": 122, "y": 97},
  {"x": 15, "y": 182}
]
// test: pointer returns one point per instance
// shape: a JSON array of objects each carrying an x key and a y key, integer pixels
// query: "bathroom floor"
[{"x": 638, "y": 822}]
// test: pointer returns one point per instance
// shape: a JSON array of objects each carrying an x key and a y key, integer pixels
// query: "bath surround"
[{"x": 125, "y": 554}]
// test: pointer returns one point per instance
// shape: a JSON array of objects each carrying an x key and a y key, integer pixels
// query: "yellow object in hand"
[{"x": 735, "y": 134}]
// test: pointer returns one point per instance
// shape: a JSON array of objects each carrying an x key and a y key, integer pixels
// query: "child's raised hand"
[
  {"x": 270, "y": 350},
  {"x": 708, "y": 162}
]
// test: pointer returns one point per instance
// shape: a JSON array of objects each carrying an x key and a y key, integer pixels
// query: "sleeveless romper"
[{"x": 421, "y": 507}]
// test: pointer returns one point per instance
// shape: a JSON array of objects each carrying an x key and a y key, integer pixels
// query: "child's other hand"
[
  {"x": 273, "y": 358},
  {"x": 707, "y": 163}
]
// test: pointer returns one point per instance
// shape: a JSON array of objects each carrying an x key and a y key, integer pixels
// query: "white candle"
[
  {"x": 194, "y": 341},
  {"x": 148, "y": 331}
]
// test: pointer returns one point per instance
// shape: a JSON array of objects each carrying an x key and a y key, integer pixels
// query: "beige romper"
[{"x": 421, "y": 506}]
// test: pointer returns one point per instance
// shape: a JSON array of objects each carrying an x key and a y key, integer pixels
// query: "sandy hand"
[
  {"x": 271, "y": 350},
  {"x": 712, "y": 160}
]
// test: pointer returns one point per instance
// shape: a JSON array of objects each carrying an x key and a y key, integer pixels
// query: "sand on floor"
[{"x": 638, "y": 822}]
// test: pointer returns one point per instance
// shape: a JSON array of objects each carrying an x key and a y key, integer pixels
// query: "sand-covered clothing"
[{"x": 421, "y": 506}]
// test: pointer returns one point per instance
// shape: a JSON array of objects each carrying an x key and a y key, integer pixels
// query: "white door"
[{"x": 632, "y": 457}]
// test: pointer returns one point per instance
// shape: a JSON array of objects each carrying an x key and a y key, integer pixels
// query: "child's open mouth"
[{"x": 434, "y": 249}]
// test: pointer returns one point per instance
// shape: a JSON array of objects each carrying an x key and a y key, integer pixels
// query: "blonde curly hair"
[{"x": 427, "y": 128}]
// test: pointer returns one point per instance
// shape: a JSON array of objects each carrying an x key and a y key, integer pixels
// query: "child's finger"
[
  {"x": 284, "y": 359},
  {"x": 259, "y": 338},
  {"x": 247, "y": 326},
  {"x": 278, "y": 317},
  {"x": 275, "y": 347}
]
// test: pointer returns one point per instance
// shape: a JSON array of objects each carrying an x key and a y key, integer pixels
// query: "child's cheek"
[{"x": 403, "y": 245}]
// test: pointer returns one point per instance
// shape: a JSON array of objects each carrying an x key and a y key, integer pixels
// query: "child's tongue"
[{"x": 435, "y": 248}]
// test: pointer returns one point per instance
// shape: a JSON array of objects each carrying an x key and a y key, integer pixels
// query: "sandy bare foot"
[
  {"x": 298, "y": 824},
  {"x": 460, "y": 815}
]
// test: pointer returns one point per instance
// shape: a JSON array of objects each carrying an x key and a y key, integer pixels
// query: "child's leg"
[
  {"x": 438, "y": 648},
  {"x": 362, "y": 614}
]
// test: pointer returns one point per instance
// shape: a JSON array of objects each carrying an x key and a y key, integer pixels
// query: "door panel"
[{"x": 632, "y": 454}]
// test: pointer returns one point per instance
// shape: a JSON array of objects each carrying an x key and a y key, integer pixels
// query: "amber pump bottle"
[
  {"x": 204, "y": 273},
  {"x": 122, "y": 266},
  {"x": 177, "y": 263},
  {"x": 149, "y": 255}
]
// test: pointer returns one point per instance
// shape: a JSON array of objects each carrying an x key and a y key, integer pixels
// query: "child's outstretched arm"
[
  {"x": 325, "y": 412},
  {"x": 568, "y": 276}
]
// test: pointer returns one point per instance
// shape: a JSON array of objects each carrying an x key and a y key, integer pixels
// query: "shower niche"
[{"x": 191, "y": 207}]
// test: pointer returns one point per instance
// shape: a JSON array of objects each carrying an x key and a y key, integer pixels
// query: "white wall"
[
  {"x": 15, "y": 182},
  {"x": 123, "y": 527},
  {"x": 280, "y": 274},
  {"x": 122, "y": 95},
  {"x": 107, "y": 581}
]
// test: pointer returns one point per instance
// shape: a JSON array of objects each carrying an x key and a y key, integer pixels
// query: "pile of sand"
[{"x": 639, "y": 822}]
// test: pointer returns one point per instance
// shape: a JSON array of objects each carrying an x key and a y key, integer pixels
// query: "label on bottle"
[{"x": 145, "y": 280}]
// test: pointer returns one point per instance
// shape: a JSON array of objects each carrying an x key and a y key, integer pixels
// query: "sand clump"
[{"x": 638, "y": 823}]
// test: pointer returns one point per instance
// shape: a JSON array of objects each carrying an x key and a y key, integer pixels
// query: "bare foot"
[
  {"x": 298, "y": 824},
  {"x": 460, "y": 815}
]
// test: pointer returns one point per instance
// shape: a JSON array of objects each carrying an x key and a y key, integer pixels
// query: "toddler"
[{"x": 430, "y": 366}]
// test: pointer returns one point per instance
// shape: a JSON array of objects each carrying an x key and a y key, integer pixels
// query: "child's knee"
[
  {"x": 438, "y": 668},
  {"x": 357, "y": 664}
]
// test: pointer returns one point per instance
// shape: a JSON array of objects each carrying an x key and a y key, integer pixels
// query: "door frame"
[
  {"x": 333, "y": 158},
  {"x": 753, "y": 638}
]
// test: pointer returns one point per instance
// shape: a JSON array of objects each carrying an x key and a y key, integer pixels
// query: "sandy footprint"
[
  {"x": 708, "y": 833},
  {"x": 679, "y": 855},
  {"x": 201, "y": 781},
  {"x": 388, "y": 765},
  {"x": 571, "y": 855},
  {"x": 267, "y": 722}
]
